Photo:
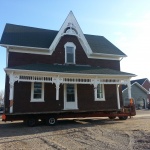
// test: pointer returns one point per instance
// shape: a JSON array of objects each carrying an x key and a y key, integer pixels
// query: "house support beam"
[{"x": 118, "y": 96}]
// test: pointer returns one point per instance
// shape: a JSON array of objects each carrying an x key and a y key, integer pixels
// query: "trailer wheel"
[
  {"x": 123, "y": 117},
  {"x": 51, "y": 121},
  {"x": 31, "y": 122},
  {"x": 112, "y": 117}
]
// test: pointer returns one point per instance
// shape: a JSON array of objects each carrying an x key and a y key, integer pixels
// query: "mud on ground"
[{"x": 79, "y": 134}]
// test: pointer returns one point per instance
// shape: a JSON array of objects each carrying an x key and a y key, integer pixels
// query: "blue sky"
[{"x": 126, "y": 23}]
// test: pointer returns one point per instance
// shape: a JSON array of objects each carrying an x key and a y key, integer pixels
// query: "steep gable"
[{"x": 24, "y": 37}]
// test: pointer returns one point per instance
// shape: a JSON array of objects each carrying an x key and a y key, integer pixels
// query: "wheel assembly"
[{"x": 51, "y": 121}]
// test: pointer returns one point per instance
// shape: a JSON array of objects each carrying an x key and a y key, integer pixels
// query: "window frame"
[
  {"x": 103, "y": 92},
  {"x": 32, "y": 93},
  {"x": 70, "y": 44}
]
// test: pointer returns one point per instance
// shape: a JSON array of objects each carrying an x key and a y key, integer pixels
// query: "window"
[
  {"x": 70, "y": 53},
  {"x": 37, "y": 92},
  {"x": 70, "y": 93},
  {"x": 100, "y": 96}
]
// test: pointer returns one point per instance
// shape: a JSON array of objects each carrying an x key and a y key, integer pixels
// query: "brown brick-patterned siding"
[
  {"x": 85, "y": 96},
  {"x": 58, "y": 56},
  {"x": 22, "y": 90}
]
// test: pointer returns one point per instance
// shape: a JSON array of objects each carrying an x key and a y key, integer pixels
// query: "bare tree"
[{"x": 1, "y": 97}]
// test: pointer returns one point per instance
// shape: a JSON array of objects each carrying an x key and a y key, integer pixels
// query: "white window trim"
[
  {"x": 32, "y": 93},
  {"x": 100, "y": 99},
  {"x": 70, "y": 44}
]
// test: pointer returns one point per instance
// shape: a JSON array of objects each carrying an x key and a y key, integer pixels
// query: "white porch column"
[
  {"x": 57, "y": 91},
  {"x": 11, "y": 92},
  {"x": 129, "y": 89},
  {"x": 57, "y": 83},
  {"x": 95, "y": 88},
  {"x": 118, "y": 97}
]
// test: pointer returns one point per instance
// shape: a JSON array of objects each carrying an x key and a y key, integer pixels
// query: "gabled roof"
[
  {"x": 140, "y": 81},
  {"x": 76, "y": 69},
  {"x": 137, "y": 84},
  {"x": 100, "y": 44},
  {"x": 17, "y": 35},
  {"x": 27, "y": 36}
]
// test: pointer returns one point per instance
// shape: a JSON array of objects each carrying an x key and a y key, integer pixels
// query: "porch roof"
[{"x": 70, "y": 69}]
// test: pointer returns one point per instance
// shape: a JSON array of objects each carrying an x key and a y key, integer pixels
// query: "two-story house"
[{"x": 61, "y": 70}]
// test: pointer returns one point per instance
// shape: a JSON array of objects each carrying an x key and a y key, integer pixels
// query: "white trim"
[
  {"x": 103, "y": 90},
  {"x": 11, "y": 91},
  {"x": 70, "y": 44},
  {"x": 32, "y": 93},
  {"x": 65, "y": 97},
  {"x": 99, "y": 54},
  {"x": 118, "y": 97},
  {"x": 7, "y": 56},
  {"x": 28, "y": 51},
  {"x": 140, "y": 86},
  {"x": 25, "y": 47},
  {"x": 71, "y": 20},
  {"x": 7, "y": 70}
]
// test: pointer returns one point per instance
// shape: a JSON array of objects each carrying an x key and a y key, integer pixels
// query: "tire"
[
  {"x": 112, "y": 117},
  {"x": 31, "y": 122},
  {"x": 123, "y": 118},
  {"x": 51, "y": 121}
]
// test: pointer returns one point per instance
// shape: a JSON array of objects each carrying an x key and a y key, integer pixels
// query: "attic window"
[{"x": 70, "y": 53}]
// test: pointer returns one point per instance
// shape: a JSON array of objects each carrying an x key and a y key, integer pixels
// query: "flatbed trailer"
[{"x": 50, "y": 118}]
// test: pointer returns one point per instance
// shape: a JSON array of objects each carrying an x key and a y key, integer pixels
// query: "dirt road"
[{"x": 91, "y": 134}]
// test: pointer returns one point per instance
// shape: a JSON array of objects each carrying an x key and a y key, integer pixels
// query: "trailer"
[{"x": 50, "y": 118}]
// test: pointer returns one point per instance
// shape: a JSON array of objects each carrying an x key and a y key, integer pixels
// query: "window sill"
[
  {"x": 100, "y": 100},
  {"x": 35, "y": 100}
]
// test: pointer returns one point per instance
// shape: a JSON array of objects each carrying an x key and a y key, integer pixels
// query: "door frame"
[{"x": 65, "y": 98}]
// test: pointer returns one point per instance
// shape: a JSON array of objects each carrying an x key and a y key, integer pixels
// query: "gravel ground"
[{"x": 79, "y": 134}]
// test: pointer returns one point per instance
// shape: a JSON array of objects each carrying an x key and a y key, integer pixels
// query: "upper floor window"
[
  {"x": 70, "y": 53},
  {"x": 37, "y": 92}
]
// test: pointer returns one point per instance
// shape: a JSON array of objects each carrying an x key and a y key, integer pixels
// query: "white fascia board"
[
  {"x": 8, "y": 71},
  {"x": 30, "y": 51},
  {"x": 70, "y": 19},
  {"x": 24, "y": 47},
  {"x": 105, "y": 57},
  {"x": 104, "y": 54}
]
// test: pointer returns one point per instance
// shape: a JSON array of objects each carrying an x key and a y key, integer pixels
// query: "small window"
[
  {"x": 70, "y": 53},
  {"x": 100, "y": 93},
  {"x": 37, "y": 92}
]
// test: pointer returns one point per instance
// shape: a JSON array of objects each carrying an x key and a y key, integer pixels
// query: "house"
[
  {"x": 65, "y": 70},
  {"x": 140, "y": 93}
]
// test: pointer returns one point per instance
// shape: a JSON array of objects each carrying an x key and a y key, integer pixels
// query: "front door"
[{"x": 70, "y": 96}]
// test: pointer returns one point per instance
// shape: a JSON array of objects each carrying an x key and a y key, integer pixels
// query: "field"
[{"x": 79, "y": 134}]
